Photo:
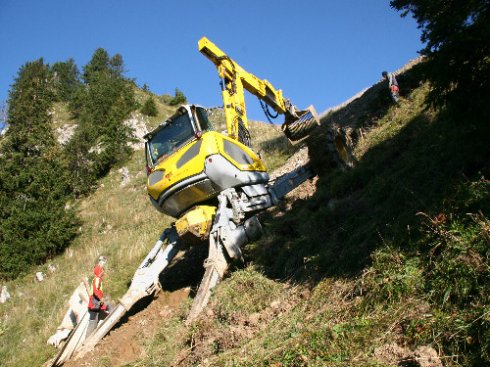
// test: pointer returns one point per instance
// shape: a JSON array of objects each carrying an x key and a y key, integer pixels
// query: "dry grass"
[{"x": 117, "y": 221}]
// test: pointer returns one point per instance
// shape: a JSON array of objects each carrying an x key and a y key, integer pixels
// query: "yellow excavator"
[
  {"x": 190, "y": 164},
  {"x": 212, "y": 183}
]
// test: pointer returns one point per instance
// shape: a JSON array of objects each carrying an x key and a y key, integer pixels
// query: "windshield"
[
  {"x": 202, "y": 117},
  {"x": 172, "y": 136}
]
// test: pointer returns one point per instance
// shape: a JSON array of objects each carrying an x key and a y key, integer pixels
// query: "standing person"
[
  {"x": 97, "y": 308},
  {"x": 393, "y": 85}
]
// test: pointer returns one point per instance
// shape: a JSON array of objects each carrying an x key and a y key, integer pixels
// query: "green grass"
[
  {"x": 61, "y": 115},
  {"x": 394, "y": 251},
  {"x": 117, "y": 221},
  {"x": 396, "y": 276},
  {"x": 358, "y": 267}
]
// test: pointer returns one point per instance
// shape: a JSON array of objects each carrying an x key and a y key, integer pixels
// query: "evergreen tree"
[
  {"x": 67, "y": 79},
  {"x": 101, "y": 105},
  {"x": 99, "y": 63},
  {"x": 179, "y": 98},
  {"x": 150, "y": 107},
  {"x": 456, "y": 36},
  {"x": 34, "y": 224},
  {"x": 117, "y": 65}
]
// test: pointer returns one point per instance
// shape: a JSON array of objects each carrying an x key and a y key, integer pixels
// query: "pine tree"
[
  {"x": 34, "y": 224},
  {"x": 101, "y": 105},
  {"x": 179, "y": 98},
  {"x": 67, "y": 79},
  {"x": 99, "y": 63},
  {"x": 457, "y": 48}
]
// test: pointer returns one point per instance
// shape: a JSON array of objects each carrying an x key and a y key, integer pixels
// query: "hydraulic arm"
[{"x": 235, "y": 79}]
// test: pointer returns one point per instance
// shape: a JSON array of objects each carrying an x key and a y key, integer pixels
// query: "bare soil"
[{"x": 124, "y": 344}]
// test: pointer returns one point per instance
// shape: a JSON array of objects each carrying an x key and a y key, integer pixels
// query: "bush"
[
  {"x": 178, "y": 99},
  {"x": 150, "y": 107}
]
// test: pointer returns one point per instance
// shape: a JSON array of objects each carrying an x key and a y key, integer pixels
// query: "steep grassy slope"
[
  {"x": 117, "y": 221},
  {"x": 385, "y": 264}
]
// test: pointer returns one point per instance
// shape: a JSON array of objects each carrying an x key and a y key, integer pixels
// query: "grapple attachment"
[{"x": 298, "y": 126}]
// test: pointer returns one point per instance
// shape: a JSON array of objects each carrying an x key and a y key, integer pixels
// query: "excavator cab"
[
  {"x": 188, "y": 163},
  {"x": 187, "y": 124}
]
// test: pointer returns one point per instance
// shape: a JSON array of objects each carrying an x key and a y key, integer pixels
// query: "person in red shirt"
[
  {"x": 392, "y": 85},
  {"x": 97, "y": 308}
]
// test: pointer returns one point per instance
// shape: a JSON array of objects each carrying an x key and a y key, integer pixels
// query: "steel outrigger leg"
[
  {"x": 145, "y": 282},
  {"x": 216, "y": 266}
]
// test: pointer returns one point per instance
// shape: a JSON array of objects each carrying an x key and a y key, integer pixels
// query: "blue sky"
[{"x": 318, "y": 52}]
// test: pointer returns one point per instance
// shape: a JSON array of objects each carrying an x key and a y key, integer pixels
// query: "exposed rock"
[
  {"x": 39, "y": 276},
  {"x": 97, "y": 149},
  {"x": 65, "y": 133},
  {"x": 4, "y": 295},
  {"x": 125, "y": 178},
  {"x": 52, "y": 268},
  {"x": 137, "y": 122}
]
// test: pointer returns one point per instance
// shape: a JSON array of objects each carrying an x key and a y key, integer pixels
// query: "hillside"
[
  {"x": 117, "y": 220},
  {"x": 384, "y": 264}
]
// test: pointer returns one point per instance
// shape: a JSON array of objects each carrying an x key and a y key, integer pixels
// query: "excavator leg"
[
  {"x": 216, "y": 266},
  {"x": 145, "y": 282},
  {"x": 231, "y": 231}
]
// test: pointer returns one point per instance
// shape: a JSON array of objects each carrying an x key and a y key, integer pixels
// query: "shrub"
[{"x": 149, "y": 108}]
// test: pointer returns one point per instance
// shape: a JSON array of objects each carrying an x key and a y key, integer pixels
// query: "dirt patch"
[
  {"x": 212, "y": 336},
  {"x": 395, "y": 355},
  {"x": 124, "y": 344}
]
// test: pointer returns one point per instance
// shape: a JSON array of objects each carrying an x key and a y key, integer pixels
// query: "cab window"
[
  {"x": 202, "y": 117},
  {"x": 176, "y": 133}
]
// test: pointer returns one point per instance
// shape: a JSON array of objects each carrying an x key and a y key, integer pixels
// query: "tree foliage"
[
  {"x": 101, "y": 104},
  {"x": 178, "y": 99},
  {"x": 66, "y": 78},
  {"x": 34, "y": 189},
  {"x": 150, "y": 107},
  {"x": 38, "y": 177},
  {"x": 456, "y": 35}
]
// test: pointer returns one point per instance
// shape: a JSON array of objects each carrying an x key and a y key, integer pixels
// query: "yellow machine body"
[
  {"x": 200, "y": 165},
  {"x": 196, "y": 223},
  {"x": 189, "y": 164},
  {"x": 234, "y": 80}
]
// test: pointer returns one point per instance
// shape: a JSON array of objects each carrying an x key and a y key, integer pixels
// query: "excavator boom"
[{"x": 235, "y": 79}]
